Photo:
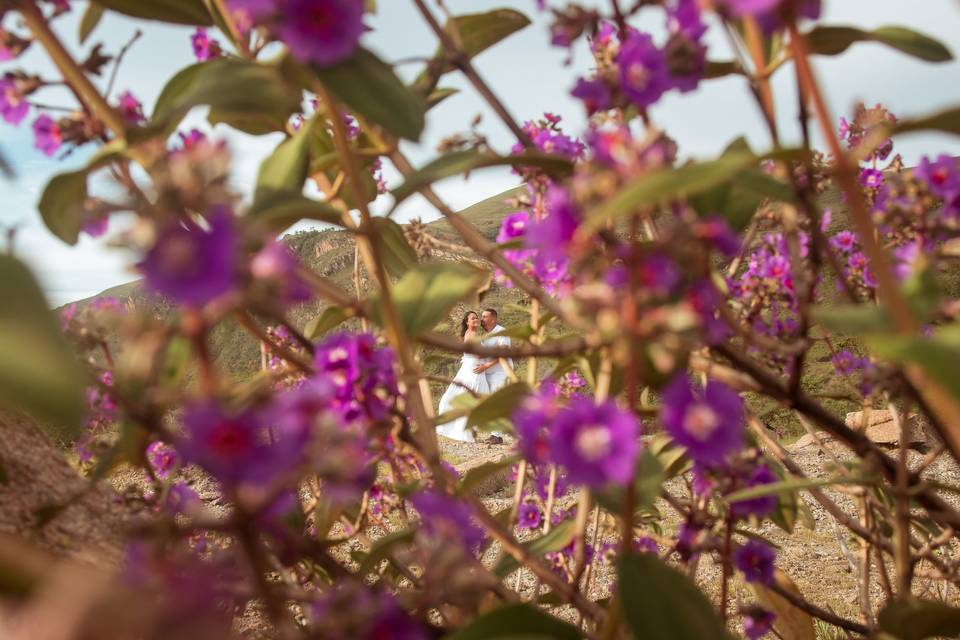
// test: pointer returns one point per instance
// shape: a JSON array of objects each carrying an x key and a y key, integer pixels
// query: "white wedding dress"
[{"x": 476, "y": 382}]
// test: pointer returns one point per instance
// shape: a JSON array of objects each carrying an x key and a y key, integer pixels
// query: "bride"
[{"x": 465, "y": 379}]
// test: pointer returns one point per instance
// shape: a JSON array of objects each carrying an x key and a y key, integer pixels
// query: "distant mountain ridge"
[{"x": 330, "y": 253}]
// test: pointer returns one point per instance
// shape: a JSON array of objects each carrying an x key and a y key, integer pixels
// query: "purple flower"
[
  {"x": 204, "y": 47},
  {"x": 321, "y": 31},
  {"x": 363, "y": 376},
  {"x": 229, "y": 445},
  {"x": 551, "y": 235},
  {"x": 770, "y": 13},
  {"x": 597, "y": 444},
  {"x": 529, "y": 516},
  {"x": 750, "y": 7},
  {"x": 513, "y": 226},
  {"x": 757, "y": 622},
  {"x": 708, "y": 424},
  {"x": 96, "y": 226},
  {"x": 871, "y": 178},
  {"x": 645, "y": 544},
  {"x": 130, "y": 108},
  {"x": 941, "y": 176},
  {"x": 532, "y": 421},
  {"x": 445, "y": 518},
  {"x": 755, "y": 561},
  {"x": 715, "y": 230},
  {"x": 686, "y": 56},
  {"x": 594, "y": 94},
  {"x": 846, "y": 362},
  {"x": 761, "y": 505},
  {"x": 704, "y": 300},
  {"x": 643, "y": 70},
  {"x": 275, "y": 267},
  {"x": 163, "y": 459},
  {"x": 248, "y": 12},
  {"x": 844, "y": 241},
  {"x": 47, "y": 134},
  {"x": 192, "y": 138},
  {"x": 190, "y": 264},
  {"x": 906, "y": 257},
  {"x": 181, "y": 499},
  {"x": 13, "y": 104}
]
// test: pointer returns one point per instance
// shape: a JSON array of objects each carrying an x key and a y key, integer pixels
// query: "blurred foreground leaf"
[
  {"x": 914, "y": 619},
  {"x": 189, "y": 12},
  {"x": 516, "y": 622},
  {"x": 831, "y": 41},
  {"x": 789, "y": 622},
  {"x": 660, "y": 603},
  {"x": 38, "y": 370}
]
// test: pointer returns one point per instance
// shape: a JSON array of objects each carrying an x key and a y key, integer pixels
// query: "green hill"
[{"x": 330, "y": 253}]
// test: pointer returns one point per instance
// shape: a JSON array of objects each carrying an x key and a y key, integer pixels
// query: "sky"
[{"x": 530, "y": 76}]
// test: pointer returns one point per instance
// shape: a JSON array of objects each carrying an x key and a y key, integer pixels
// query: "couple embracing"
[{"x": 479, "y": 375}]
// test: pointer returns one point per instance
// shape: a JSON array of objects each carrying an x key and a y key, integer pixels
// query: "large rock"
[
  {"x": 44, "y": 501},
  {"x": 882, "y": 429}
]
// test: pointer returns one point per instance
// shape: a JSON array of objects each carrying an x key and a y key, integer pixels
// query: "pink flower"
[
  {"x": 204, "y": 47},
  {"x": 13, "y": 104},
  {"x": 130, "y": 108},
  {"x": 47, "y": 134},
  {"x": 321, "y": 31}
]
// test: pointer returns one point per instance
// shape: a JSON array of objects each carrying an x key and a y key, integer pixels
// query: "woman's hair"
[{"x": 463, "y": 323}]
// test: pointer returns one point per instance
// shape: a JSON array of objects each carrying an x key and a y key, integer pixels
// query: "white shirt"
[{"x": 497, "y": 341}]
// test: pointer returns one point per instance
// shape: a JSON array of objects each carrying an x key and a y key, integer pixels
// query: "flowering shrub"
[{"x": 668, "y": 304}]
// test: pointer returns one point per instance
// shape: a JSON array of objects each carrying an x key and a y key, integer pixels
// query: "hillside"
[{"x": 330, "y": 253}]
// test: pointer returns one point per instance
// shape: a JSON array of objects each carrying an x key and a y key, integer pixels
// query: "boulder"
[
  {"x": 44, "y": 501},
  {"x": 882, "y": 429}
]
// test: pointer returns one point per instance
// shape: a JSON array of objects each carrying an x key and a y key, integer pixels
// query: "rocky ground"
[{"x": 820, "y": 557}]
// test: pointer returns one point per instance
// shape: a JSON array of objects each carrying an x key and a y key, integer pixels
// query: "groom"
[{"x": 493, "y": 369}]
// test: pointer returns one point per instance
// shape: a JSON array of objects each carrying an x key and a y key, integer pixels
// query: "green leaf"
[
  {"x": 384, "y": 547},
  {"x": 427, "y": 293},
  {"x": 660, "y": 603},
  {"x": 938, "y": 355},
  {"x": 477, "y": 32},
  {"x": 914, "y": 619},
  {"x": 38, "y": 370},
  {"x": 439, "y": 95},
  {"x": 369, "y": 87},
  {"x": 946, "y": 121},
  {"x": 558, "y": 537},
  {"x": 788, "y": 486},
  {"x": 189, "y": 12},
  {"x": 280, "y": 210},
  {"x": 62, "y": 204},
  {"x": 475, "y": 477},
  {"x": 517, "y": 622},
  {"x": 667, "y": 184},
  {"x": 398, "y": 256},
  {"x": 229, "y": 86},
  {"x": 789, "y": 622},
  {"x": 63, "y": 199},
  {"x": 330, "y": 318},
  {"x": 738, "y": 199},
  {"x": 718, "y": 69},
  {"x": 285, "y": 170},
  {"x": 90, "y": 20},
  {"x": 831, "y": 41},
  {"x": 853, "y": 319},
  {"x": 499, "y": 405},
  {"x": 256, "y": 124},
  {"x": 458, "y": 162}
]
